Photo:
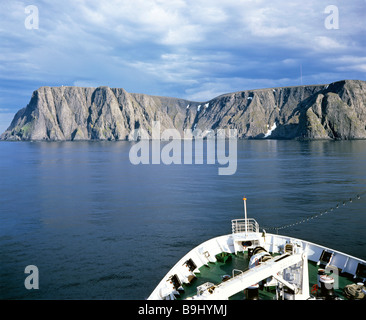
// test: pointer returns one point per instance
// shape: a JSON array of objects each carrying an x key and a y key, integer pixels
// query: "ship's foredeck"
[{"x": 215, "y": 272}]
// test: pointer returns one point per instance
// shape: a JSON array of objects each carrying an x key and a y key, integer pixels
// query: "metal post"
[{"x": 245, "y": 215}]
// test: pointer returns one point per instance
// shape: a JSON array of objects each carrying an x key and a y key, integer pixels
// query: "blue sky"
[{"x": 195, "y": 49}]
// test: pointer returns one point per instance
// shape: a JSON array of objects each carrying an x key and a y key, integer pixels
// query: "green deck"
[{"x": 214, "y": 272}]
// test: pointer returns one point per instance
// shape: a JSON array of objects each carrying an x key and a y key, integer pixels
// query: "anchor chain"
[{"x": 320, "y": 214}]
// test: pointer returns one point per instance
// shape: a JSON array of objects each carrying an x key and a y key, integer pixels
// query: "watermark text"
[{"x": 221, "y": 147}]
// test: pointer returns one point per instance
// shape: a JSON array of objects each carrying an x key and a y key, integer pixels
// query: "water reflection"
[{"x": 85, "y": 215}]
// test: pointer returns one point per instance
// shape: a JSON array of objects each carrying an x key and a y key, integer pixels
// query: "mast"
[{"x": 245, "y": 216}]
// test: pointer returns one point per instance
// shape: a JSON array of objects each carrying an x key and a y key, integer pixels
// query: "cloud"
[
  {"x": 349, "y": 63},
  {"x": 86, "y": 83},
  {"x": 212, "y": 88},
  {"x": 323, "y": 43},
  {"x": 190, "y": 49},
  {"x": 269, "y": 23}
]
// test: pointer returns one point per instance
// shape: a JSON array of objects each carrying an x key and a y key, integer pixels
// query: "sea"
[{"x": 96, "y": 226}]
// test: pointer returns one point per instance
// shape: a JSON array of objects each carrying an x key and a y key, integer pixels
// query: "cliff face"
[{"x": 334, "y": 111}]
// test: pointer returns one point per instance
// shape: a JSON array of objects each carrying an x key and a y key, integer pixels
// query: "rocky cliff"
[{"x": 334, "y": 111}]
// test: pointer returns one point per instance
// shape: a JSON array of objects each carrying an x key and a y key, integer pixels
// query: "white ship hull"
[{"x": 240, "y": 241}]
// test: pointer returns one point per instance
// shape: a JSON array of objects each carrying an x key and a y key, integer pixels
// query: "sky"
[{"x": 195, "y": 49}]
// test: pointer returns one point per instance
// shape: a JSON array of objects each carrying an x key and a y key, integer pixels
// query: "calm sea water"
[{"x": 98, "y": 227}]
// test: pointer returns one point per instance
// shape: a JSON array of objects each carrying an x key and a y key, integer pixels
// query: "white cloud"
[
  {"x": 324, "y": 43},
  {"x": 183, "y": 35},
  {"x": 290, "y": 62},
  {"x": 86, "y": 83},
  {"x": 358, "y": 68},
  {"x": 349, "y": 63},
  {"x": 212, "y": 88},
  {"x": 348, "y": 59},
  {"x": 269, "y": 22},
  {"x": 195, "y": 48}
]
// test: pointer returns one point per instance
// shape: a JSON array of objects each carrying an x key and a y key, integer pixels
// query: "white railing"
[{"x": 242, "y": 225}]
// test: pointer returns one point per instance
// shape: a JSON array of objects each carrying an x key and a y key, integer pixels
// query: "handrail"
[{"x": 244, "y": 225}]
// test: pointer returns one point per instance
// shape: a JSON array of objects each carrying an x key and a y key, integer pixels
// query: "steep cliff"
[{"x": 334, "y": 111}]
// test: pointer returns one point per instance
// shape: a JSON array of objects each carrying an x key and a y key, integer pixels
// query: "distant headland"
[{"x": 331, "y": 111}]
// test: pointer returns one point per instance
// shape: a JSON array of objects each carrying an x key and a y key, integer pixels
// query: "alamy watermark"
[
  {"x": 172, "y": 153},
  {"x": 32, "y": 19},
  {"x": 332, "y": 20},
  {"x": 31, "y": 281}
]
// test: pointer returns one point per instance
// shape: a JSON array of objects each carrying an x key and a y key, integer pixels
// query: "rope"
[{"x": 322, "y": 213}]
